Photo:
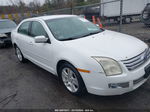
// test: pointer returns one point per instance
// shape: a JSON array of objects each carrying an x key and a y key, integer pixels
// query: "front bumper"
[
  {"x": 100, "y": 84},
  {"x": 5, "y": 41}
]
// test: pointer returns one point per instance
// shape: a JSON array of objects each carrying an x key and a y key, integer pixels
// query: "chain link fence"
[
  {"x": 110, "y": 12},
  {"x": 98, "y": 10}
]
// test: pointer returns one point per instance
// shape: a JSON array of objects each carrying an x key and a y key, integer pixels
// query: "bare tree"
[{"x": 12, "y": 3}]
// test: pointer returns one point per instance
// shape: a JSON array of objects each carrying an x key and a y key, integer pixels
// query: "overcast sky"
[{"x": 6, "y": 2}]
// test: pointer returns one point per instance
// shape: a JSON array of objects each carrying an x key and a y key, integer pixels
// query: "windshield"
[
  {"x": 70, "y": 28},
  {"x": 7, "y": 24}
]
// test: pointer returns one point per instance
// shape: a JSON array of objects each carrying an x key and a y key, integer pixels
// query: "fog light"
[{"x": 118, "y": 85}]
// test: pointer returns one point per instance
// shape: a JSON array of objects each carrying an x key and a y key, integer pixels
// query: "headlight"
[{"x": 110, "y": 66}]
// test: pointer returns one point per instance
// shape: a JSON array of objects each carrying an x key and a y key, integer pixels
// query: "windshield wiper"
[
  {"x": 67, "y": 39},
  {"x": 77, "y": 37},
  {"x": 92, "y": 33}
]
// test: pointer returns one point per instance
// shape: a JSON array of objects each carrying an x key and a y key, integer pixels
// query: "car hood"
[
  {"x": 108, "y": 44},
  {"x": 6, "y": 30}
]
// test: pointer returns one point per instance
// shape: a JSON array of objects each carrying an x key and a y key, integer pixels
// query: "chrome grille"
[{"x": 137, "y": 61}]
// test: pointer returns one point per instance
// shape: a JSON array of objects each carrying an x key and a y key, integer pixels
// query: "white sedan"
[{"x": 84, "y": 57}]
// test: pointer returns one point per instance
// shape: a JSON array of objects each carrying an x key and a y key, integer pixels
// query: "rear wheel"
[
  {"x": 72, "y": 80},
  {"x": 19, "y": 55}
]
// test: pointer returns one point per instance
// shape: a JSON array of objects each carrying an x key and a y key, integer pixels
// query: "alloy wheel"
[{"x": 70, "y": 80}]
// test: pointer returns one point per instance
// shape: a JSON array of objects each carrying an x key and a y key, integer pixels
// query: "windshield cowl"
[{"x": 86, "y": 35}]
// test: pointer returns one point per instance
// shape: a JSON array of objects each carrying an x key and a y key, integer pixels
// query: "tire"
[
  {"x": 72, "y": 80},
  {"x": 19, "y": 55}
]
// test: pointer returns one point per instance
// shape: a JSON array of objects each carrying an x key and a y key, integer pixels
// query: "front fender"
[{"x": 79, "y": 60}]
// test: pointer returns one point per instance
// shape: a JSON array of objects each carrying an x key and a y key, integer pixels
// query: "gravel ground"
[{"x": 26, "y": 86}]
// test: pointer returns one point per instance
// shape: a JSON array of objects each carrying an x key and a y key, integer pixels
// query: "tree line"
[{"x": 35, "y": 6}]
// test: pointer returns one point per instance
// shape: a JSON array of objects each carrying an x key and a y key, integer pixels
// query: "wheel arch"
[
  {"x": 14, "y": 45},
  {"x": 61, "y": 62}
]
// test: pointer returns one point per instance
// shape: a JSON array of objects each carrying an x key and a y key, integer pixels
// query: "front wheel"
[{"x": 72, "y": 80}]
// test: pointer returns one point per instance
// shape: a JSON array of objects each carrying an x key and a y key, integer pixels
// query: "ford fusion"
[{"x": 84, "y": 57}]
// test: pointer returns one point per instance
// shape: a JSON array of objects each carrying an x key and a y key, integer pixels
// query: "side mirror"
[{"x": 41, "y": 39}]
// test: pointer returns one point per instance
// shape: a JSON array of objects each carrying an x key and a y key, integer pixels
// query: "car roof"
[{"x": 50, "y": 17}]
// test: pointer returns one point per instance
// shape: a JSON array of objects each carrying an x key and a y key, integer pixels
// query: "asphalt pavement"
[{"x": 27, "y": 86}]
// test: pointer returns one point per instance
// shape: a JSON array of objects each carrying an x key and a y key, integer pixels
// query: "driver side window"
[{"x": 37, "y": 30}]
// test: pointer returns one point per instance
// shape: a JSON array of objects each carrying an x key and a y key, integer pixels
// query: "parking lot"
[{"x": 26, "y": 86}]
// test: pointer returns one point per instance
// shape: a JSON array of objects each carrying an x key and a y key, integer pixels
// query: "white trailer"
[{"x": 111, "y": 10}]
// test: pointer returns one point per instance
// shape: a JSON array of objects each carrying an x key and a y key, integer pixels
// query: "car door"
[
  {"x": 41, "y": 52},
  {"x": 23, "y": 38}
]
